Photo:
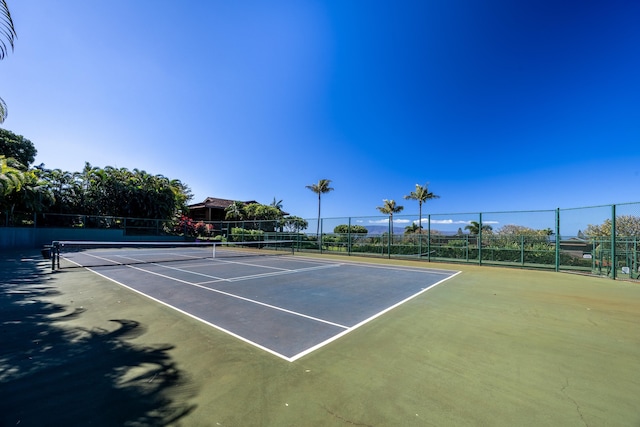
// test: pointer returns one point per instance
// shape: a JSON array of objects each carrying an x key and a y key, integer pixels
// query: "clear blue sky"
[{"x": 498, "y": 104}]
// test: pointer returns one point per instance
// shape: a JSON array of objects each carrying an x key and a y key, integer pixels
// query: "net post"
[{"x": 55, "y": 254}]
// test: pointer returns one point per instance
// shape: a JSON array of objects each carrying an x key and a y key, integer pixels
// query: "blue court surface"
[{"x": 286, "y": 305}]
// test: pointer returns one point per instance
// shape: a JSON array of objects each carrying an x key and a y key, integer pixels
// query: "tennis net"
[{"x": 67, "y": 254}]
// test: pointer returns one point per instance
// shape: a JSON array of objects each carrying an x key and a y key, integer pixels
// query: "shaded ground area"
[{"x": 54, "y": 372}]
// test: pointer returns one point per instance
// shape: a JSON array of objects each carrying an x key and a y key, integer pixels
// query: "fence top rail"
[
  {"x": 601, "y": 206},
  {"x": 424, "y": 215},
  {"x": 488, "y": 212},
  {"x": 495, "y": 212}
]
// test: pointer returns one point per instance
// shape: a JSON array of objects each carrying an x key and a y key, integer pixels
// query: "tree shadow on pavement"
[{"x": 52, "y": 374}]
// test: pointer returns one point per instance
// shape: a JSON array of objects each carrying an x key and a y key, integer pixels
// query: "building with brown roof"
[{"x": 212, "y": 209}]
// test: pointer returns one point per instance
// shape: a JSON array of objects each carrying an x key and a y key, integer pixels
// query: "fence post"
[
  {"x": 349, "y": 237},
  {"x": 420, "y": 238},
  {"x": 466, "y": 246},
  {"x": 480, "y": 239},
  {"x": 557, "y": 239},
  {"x": 390, "y": 238},
  {"x": 320, "y": 236},
  {"x": 613, "y": 242},
  {"x": 634, "y": 262},
  {"x": 428, "y": 238}
]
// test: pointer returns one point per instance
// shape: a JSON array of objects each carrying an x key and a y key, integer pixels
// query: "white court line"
[
  {"x": 114, "y": 262},
  {"x": 224, "y": 261},
  {"x": 103, "y": 259},
  {"x": 442, "y": 272},
  {"x": 213, "y": 325},
  {"x": 216, "y": 278},
  {"x": 275, "y": 307},
  {"x": 354, "y": 327},
  {"x": 345, "y": 331},
  {"x": 184, "y": 257},
  {"x": 281, "y": 271}
]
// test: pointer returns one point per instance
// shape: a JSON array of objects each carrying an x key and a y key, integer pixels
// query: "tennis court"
[
  {"x": 493, "y": 346},
  {"x": 286, "y": 305}
]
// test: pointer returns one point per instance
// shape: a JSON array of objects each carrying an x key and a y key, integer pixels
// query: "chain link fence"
[
  {"x": 576, "y": 240},
  {"x": 599, "y": 240}
]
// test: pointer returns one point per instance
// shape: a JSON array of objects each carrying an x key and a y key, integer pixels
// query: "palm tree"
[
  {"x": 474, "y": 228},
  {"x": 277, "y": 204},
  {"x": 412, "y": 229},
  {"x": 11, "y": 177},
  {"x": 61, "y": 185},
  {"x": 8, "y": 33},
  {"x": 323, "y": 186},
  {"x": 35, "y": 195},
  {"x": 421, "y": 194},
  {"x": 390, "y": 208},
  {"x": 235, "y": 211}
]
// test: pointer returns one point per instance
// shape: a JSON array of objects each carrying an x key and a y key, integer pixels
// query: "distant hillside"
[{"x": 381, "y": 229}]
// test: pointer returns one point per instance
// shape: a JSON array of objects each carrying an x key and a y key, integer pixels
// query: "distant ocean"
[{"x": 381, "y": 229}]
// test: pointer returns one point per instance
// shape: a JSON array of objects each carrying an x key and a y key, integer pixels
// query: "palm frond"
[
  {"x": 3, "y": 111},
  {"x": 7, "y": 29}
]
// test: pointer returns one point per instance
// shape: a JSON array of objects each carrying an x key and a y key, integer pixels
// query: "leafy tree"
[
  {"x": 389, "y": 208},
  {"x": 260, "y": 212},
  {"x": 474, "y": 228},
  {"x": 265, "y": 217},
  {"x": 8, "y": 35},
  {"x": 294, "y": 224},
  {"x": 421, "y": 194},
  {"x": 346, "y": 229},
  {"x": 255, "y": 212},
  {"x": 511, "y": 234},
  {"x": 321, "y": 187},
  {"x": 17, "y": 147},
  {"x": 182, "y": 194},
  {"x": 520, "y": 230},
  {"x": 626, "y": 226},
  {"x": 115, "y": 192}
]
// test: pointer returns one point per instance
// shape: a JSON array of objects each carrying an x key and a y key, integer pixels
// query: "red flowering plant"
[
  {"x": 186, "y": 226},
  {"x": 203, "y": 229}
]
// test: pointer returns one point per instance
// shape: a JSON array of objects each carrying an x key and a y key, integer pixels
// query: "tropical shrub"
[
  {"x": 243, "y": 235},
  {"x": 353, "y": 229}
]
